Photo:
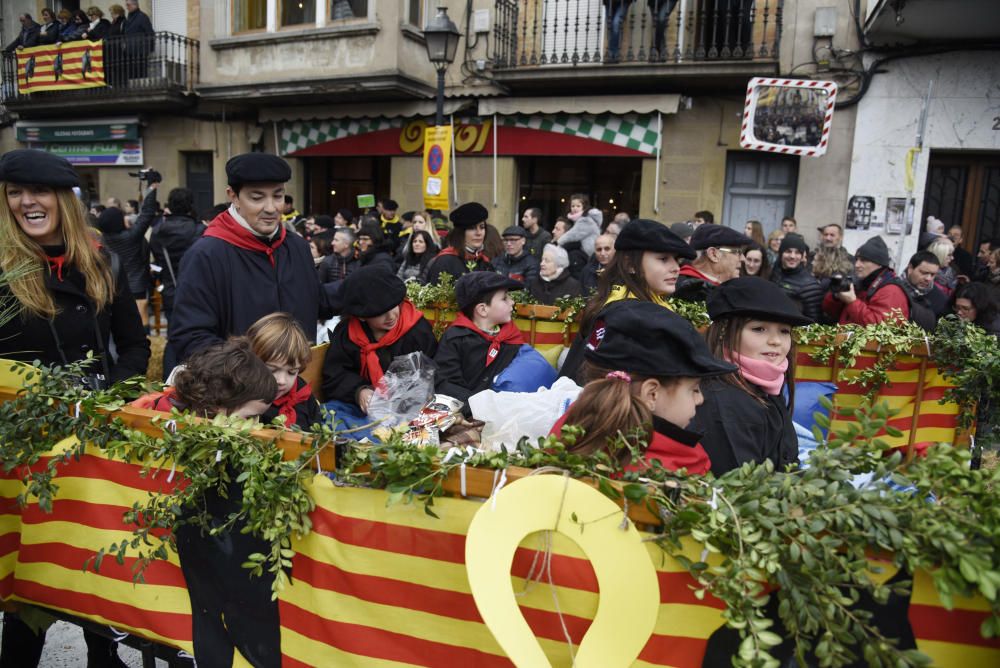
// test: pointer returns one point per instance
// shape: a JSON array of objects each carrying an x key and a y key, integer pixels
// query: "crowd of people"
[{"x": 245, "y": 285}]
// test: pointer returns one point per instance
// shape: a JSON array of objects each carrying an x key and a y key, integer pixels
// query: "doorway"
[
  {"x": 759, "y": 186},
  {"x": 335, "y": 183},
  {"x": 198, "y": 177},
  {"x": 964, "y": 189}
]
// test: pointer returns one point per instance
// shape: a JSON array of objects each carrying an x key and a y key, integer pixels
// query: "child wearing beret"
[
  {"x": 378, "y": 325},
  {"x": 645, "y": 365}
]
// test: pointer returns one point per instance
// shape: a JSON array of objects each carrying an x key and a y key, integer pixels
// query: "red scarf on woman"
[
  {"x": 371, "y": 368},
  {"x": 469, "y": 257},
  {"x": 509, "y": 333},
  {"x": 286, "y": 404},
  {"x": 225, "y": 227}
]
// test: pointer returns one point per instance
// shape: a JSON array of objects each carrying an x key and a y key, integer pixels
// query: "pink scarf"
[{"x": 769, "y": 377}]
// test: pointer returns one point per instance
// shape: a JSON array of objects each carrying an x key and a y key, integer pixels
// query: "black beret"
[
  {"x": 710, "y": 235},
  {"x": 649, "y": 235},
  {"x": 875, "y": 250},
  {"x": 515, "y": 231},
  {"x": 795, "y": 241},
  {"x": 324, "y": 221},
  {"x": 111, "y": 221},
  {"x": 371, "y": 291},
  {"x": 390, "y": 204},
  {"x": 683, "y": 230},
  {"x": 756, "y": 297},
  {"x": 647, "y": 339},
  {"x": 31, "y": 166},
  {"x": 257, "y": 168},
  {"x": 346, "y": 214},
  {"x": 469, "y": 215},
  {"x": 472, "y": 287}
]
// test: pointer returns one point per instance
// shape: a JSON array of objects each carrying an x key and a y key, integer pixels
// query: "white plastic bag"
[
  {"x": 511, "y": 415},
  {"x": 408, "y": 384}
]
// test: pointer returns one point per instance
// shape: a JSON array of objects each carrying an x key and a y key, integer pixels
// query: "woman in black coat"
[
  {"x": 99, "y": 27},
  {"x": 74, "y": 302},
  {"x": 464, "y": 250},
  {"x": 554, "y": 280}
]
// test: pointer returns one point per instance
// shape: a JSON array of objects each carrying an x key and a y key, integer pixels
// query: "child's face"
[
  {"x": 766, "y": 341},
  {"x": 284, "y": 374},
  {"x": 677, "y": 402},
  {"x": 250, "y": 409},
  {"x": 499, "y": 310},
  {"x": 383, "y": 324},
  {"x": 575, "y": 206}
]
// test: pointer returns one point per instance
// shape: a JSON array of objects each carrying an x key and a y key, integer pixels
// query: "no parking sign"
[{"x": 437, "y": 166}]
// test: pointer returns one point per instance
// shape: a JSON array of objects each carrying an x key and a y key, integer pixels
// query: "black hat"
[
  {"x": 324, "y": 221},
  {"x": 649, "y": 235},
  {"x": 710, "y": 235},
  {"x": 469, "y": 215},
  {"x": 753, "y": 296},
  {"x": 875, "y": 250},
  {"x": 371, "y": 291},
  {"x": 515, "y": 231},
  {"x": 257, "y": 168},
  {"x": 683, "y": 230},
  {"x": 346, "y": 214},
  {"x": 795, "y": 241},
  {"x": 389, "y": 205},
  {"x": 31, "y": 166},
  {"x": 111, "y": 221},
  {"x": 472, "y": 287},
  {"x": 647, "y": 339}
]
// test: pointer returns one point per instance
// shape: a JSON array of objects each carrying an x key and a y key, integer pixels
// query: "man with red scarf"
[
  {"x": 378, "y": 325},
  {"x": 483, "y": 340},
  {"x": 246, "y": 265}
]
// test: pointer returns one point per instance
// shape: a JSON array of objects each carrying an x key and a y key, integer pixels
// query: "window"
[
  {"x": 249, "y": 15},
  {"x": 348, "y": 9},
  {"x": 416, "y": 13},
  {"x": 297, "y": 12}
]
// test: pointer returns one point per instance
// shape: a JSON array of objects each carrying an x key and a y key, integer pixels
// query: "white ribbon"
[
  {"x": 76, "y": 413},
  {"x": 497, "y": 486},
  {"x": 118, "y": 635}
]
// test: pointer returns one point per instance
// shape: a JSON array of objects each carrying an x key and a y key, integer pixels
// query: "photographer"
[{"x": 873, "y": 295}]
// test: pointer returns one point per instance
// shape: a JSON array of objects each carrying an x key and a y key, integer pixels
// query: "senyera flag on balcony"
[{"x": 64, "y": 67}]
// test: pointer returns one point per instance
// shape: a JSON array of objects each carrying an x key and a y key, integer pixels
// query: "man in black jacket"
[
  {"x": 517, "y": 262},
  {"x": 246, "y": 265},
  {"x": 139, "y": 36},
  {"x": 927, "y": 303},
  {"x": 28, "y": 35},
  {"x": 794, "y": 277}
]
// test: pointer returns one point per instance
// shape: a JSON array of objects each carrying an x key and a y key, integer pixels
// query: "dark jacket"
[
  {"x": 523, "y": 268},
  {"x": 342, "y": 379},
  {"x": 925, "y": 309},
  {"x": 692, "y": 285},
  {"x": 578, "y": 258},
  {"x": 224, "y": 289},
  {"x": 100, "y": 31},
  {"x": 48, "y": 33},
  {"x": 964, "y": 262},
  {"x": 117, "y": 27},
  {"x": 461, "y": 360},
  {"x": 26, "y": 38},
  {"x": 547, "y": 292},
  {"x": 307, "y": 412},
  {"x": 454, "y": 265},
  {"x": 590, "y": 276},
  {"x": 336, "y": 267},
  {"x": 737, "y": 428},
  {"x": 803, "y": 288},
  {"x": 136, "y": 27},
  {"x": 170, "y": 240},
  {"x": 130, "y": 246},
  {"x": 377, "y": 257},
  {"x": 28, "y": 337},
  {"x": 536, "y": 243}
]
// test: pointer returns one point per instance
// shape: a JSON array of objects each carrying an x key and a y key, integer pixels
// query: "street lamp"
[{"x": 441, "y": 37}]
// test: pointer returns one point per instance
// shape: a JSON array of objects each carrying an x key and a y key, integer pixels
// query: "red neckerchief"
[
  {"x": 225, "y": 227},
  {"x": 689, "y": 270},
  {"x": 286, "y": 404},
  {"x": 468, "y": 257},
  {"x": 157, "y": 401},
  {"x": 509, "y": 333},
  {"x": 56, "y": 265},
  {"x": 371, "y": 368}
]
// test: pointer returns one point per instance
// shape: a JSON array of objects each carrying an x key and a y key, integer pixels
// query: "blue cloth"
[
  {"x": 807, "y": 395},
  {"x": 350, "y": 416},
  {"x": 527, "y": 372}
]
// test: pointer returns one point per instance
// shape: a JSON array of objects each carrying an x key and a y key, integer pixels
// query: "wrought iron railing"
[
  {"x": 133, "y": 65},
  {"x": 535, "y": 33}
]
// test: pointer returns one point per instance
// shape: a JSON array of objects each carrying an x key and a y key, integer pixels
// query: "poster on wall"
[
  {"x": 859, "y": 212},
  {"x": 895, "y": 215},
  {"x": 437, "y": 166},
  {"x": 97, "y": 154},
  {"x": 788, "y": 116}
]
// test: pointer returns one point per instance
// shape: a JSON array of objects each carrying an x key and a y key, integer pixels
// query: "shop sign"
[
  {"x": 109, "y": 153},
  {"x": 468, "y": 138},
  {"x": 97, "y": 132}
]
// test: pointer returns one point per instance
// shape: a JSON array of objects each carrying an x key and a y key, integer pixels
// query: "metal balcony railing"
[
  {"x": 537, "y": 33},
  {"x": 133, "y": 65}
]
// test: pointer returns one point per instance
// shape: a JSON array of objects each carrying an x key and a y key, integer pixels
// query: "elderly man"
[
  {"x": 875, "y": 293},
  {"x": 604, "y": 252},
  {"x": 139, "y": 36},
  {"x": 516, "y": 262},
  {"x": 340, "y": 263},
  {"x": 28, "y": 35},
  {"x": 720, "y": 258},
  {"x": 246, "y": 265}
]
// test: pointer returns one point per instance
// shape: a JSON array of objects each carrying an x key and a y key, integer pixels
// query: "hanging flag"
[
  {"x": 66, "y": 66},
  {"x": 437, "y": 167}
]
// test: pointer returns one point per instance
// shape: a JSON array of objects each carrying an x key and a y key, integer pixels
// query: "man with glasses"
[
  {"x": 516, "y": 263},
  {"x": 720, "y": 258}
]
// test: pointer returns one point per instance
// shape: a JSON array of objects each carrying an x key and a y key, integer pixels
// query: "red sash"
[
  {"x": 225, "y": 227},
  {"x": 509, "y": 333},
  {"x": 370, "y": 366}
]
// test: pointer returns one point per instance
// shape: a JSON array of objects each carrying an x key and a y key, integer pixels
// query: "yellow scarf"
[{"x": 620, "y": 292}]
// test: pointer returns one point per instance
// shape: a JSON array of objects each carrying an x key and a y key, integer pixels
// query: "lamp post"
[{"x": 441, "y": 37}]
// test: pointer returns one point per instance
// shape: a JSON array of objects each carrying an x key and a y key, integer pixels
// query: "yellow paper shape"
[
  {"x": 629, "y": 590},
  {"x": 9, "y": 378}
]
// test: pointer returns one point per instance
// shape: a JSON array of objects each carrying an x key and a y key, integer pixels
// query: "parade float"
[{"x": 883, "y": 549}]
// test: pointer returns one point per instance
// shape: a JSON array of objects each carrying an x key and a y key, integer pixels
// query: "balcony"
[
  {"x": 622, "y": 43},
  {"x": 892, "y": 23},
  {"x": 145, "y": 74}
]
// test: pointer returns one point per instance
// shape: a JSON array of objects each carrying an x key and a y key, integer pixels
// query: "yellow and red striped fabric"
[
  {"x": 374, "y": 585},
  {"x": 549, "y": 337},
  {"x": 68, "y": 66}
]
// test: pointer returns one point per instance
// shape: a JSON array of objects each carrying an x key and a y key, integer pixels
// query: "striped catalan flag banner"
[
  {"x": 378, "y": 585},
  {"x": 69, "y": 66},
  {"x": 549, "y": 337}
]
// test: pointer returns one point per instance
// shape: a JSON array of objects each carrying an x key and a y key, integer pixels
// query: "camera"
[
  {"x": 839, "y": 283},
  {"x": 149, "y": 175}
]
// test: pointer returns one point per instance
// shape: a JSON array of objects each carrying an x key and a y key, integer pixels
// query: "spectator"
[
  {"x": 537, "y": 236},
  {"x": 993, "y": 267},
  {"x": 464, "y": 252},
  {"x": 343, "y": 218},
  {"x": 577, "y": 257},
  {"x": 554, "y": 280},
  {"x": 290, "y": 216},
  {"x": 755, "y": 263},
  {"x": 117, "y": 13},
  {"x": 416, "y": 256},
  {"x": 684, "y": 230},
  {"x": 755, "y": 231},
  {"x": 703, "y": 218},
  {"x": 831, "y": 239},
  {"x": 80, "y": 24},
  {"x": 584, "y": 231},
  {"x": 789, "y": 224},
  {"x": 139, "y": 36},
  {"x": 130, "y": 246},
  {"x": 373, "y": 249},
  {"x": 321, "y": 245},
  {"x": 774, "y": 240},
  {"x": 48, "y": 31},
  {"x": 879, "y": 294},
  {"x": 964, "y": 263},
  {"x": 98, "y": 27},
  {"x": 829, "y": 261},
  {"x": 946, "y": 279},
  {"x": 616, "y": 12},
  {"x": 927, "y": 303},
  {"x": 171, "y": 238},
  {"x": 339, "y": 264},
  {"x": 977, "y": 303},
  {"x": 389, "y": 220},
  {"x": 278, "y": 341},
  {"x": 620, "y": 220},
  {"x": 720, "y": 258},
  {"x": 986, "y": 249},
  {"x": 516, "y": 263},
  {"x": 66, "y": 27},
  {"x": 604, "y": 252},
  {"x": 793, "y": 276},
  {"x": 493, "y": 244},
  {"x": 28, "y": 36}
]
